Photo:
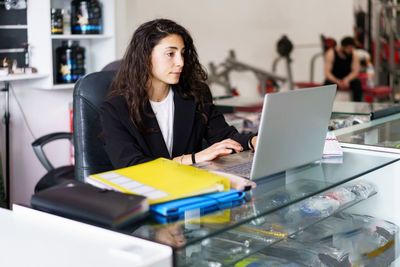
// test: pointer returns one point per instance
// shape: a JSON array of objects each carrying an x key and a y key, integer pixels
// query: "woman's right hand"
[{"x": 219, "y": 149}]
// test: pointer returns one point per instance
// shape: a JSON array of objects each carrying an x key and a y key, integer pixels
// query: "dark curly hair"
[{"x": 135, "y": 70}]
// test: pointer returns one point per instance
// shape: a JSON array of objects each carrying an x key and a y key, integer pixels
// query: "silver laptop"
[{"x": 292, "y": 131}]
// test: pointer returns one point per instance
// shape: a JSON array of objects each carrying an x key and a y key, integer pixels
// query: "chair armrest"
[{"x": 38, "y": 144}]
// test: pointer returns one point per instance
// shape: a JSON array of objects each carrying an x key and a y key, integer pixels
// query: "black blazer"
[{"x": 127, "y": 146}]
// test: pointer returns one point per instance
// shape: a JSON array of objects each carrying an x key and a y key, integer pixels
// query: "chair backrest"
[
  {"x": 89, "y": 94},
  {"x": 112, "y": 66}
]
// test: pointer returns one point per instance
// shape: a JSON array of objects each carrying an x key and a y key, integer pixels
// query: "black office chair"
[
  {"x": 54, "y": 175},
  {"x": 89, "y": 94},
  {"x": 90, "y": 157},
  {"x": 113, "y": 66}
]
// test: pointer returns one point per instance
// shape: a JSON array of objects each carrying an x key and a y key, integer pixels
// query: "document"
[
  {"x": 161, "y": 180},
  {"x": 332, "y": 147}
]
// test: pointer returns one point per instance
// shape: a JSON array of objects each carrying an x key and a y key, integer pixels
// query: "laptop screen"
[{"x": 292, "y": 130}]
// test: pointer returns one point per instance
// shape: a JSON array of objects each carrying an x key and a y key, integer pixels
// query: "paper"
[{"x": 332, "y": 147}]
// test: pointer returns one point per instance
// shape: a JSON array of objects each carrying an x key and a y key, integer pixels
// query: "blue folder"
[
  {"x": 206, "y": 203},
  {"x": 203, "y": 214}
]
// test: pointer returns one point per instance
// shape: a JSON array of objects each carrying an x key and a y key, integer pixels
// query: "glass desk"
[
  {"x": 240, "y": 103},
  {"x": 382, "y": 134},
  {"x": 244, "y": 112},
  {"x": 358, "y": 108},
  {"x": 227, "y": 236}
]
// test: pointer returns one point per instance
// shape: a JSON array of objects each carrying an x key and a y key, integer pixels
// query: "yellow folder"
[{"x": 161, "y": 180}]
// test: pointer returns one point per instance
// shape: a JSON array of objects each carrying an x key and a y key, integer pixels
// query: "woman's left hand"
[{"x": 254, "y": 141}]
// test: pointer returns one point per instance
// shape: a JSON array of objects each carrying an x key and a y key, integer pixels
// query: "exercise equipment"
[
  {"x": 219, "y": 74},
  {"x": 285, "y": 47},
  {"x": 386, "y": 50}
]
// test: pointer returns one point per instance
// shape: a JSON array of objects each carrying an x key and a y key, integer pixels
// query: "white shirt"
[{"x": 164, "y": 112}]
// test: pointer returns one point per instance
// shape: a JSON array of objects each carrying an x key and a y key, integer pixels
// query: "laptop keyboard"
[{"x": 241, "y": 169}]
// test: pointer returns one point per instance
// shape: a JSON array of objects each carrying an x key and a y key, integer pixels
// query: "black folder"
[{"x": 84, "y": 202}]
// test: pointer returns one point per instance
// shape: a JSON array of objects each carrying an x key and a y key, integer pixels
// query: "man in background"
[{"x": 342, "y": 67}]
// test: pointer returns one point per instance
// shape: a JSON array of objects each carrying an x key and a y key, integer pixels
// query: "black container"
[
  {"x": 95, "y": 17},
  {"x": 57, "y": 23},
  {"x": 86, "y": 17},
  {"x": 79, "y": 70},
  {"x": 70, "y": 62}
]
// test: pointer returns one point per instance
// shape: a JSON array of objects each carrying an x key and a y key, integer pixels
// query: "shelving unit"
[
  {"x": 43, "y": 43},
  {"x": 257, "y": 238}
]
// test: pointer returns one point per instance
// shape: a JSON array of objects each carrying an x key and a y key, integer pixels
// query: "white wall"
[
  {"x": 251, "y": 28},
  {"x": 45, "y": 112}
]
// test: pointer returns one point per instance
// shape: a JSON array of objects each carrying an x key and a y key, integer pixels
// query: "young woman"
[{"x": 160, "y": 105}]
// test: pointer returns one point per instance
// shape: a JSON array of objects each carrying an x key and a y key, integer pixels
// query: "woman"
[{"x": 160, "y": 105}]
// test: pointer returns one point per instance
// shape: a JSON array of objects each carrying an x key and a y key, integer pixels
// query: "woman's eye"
[{"x": 170, "y": 54}]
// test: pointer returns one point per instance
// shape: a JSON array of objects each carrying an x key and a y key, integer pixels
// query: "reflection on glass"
[{"x": 385, "y": 135}]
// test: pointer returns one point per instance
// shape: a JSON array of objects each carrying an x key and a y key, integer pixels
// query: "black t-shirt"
[{"x": 341, "y": 66}]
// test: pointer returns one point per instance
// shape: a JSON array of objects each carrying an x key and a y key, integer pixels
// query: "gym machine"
[
  {"x": 220, "y": 74},
  {"x": 387, "y": 71}
]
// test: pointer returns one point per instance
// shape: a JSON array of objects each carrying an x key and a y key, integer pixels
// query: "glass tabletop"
[
  {"x": 384, "y": 132},
  {"x": 271, "y": 195},
  {"x": 358, "y": 108},
  {"x": 240, "y": 101},
  {"x": 339, "y": 107}
]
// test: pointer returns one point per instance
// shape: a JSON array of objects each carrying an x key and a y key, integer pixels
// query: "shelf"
[
  {"x": 377, "y": 148},
  {"x": 13, "y": 27},
  {"x": 253, "y": 237},
  {"x": 336, "y": 240},
  {"x": 20, "y": 77},
  {"x": 61, "y": 86},
  {"x": 80, "y": 36},
  {"x": 45, "y": 44}
]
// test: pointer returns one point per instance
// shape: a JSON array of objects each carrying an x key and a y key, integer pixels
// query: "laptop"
[{"x": 292, "y": 131}]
